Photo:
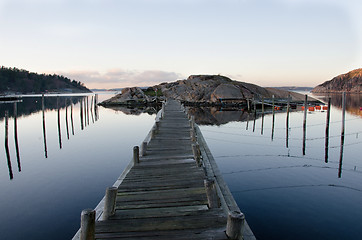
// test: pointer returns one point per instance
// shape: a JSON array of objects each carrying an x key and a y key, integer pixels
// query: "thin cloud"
[{"x": 122, "y": 78}]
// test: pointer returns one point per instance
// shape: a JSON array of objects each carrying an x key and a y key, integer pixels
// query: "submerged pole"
[
  {"x": 305, "y": 122},
  {"x": 327, "y": 130},
  {"x": 44, "y": 129}
]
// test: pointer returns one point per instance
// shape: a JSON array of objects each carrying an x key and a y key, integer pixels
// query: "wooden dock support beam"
[
  {"x": 143, "y": 148},
  {"x": 136, "y": 155},
  {"x": 234, "y": 224},
  {"x": 196, "y": 152},
  {"x": 87, "y": 224},
  {"x": 212, "y": 198},
  {"x": 110, "y": 202}
]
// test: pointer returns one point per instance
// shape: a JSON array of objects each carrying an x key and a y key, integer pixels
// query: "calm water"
[{"x": 284, "y": 194}]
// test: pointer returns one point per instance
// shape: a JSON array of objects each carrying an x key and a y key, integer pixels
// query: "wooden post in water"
[
  {"x": 16, "y": 135},
  {"x": 305, "y": 122},
  {"x": 44, "y": 132},
  {"x": 248, "y": 103},
  {"x": 287, "y": 123},
  {"x": 234, "y": 224},
  {"x": 71, "y": 115},
  {"x": 212, "y": 198},
  {"x": 327, "y": 130},
  {"x": 342, "y": 134},
  {"x": 66, "y": 118},
  {"x": 136, "y": 155},
  {"x": 59, "y": 130},
  {"x": 273, "y": 119},
  {"x": 254, "y": 114},
  {"x": 262, "y": 116},
  {"x": 110, "y": 202},
  {"x": 7, "y": 144},
  {"x": 87, "y": 224}
]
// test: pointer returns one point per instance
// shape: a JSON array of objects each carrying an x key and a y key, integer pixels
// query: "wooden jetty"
[{"x": 172, "y": 189}]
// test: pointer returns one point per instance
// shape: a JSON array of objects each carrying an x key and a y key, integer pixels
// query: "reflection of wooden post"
[
  {"x": 87, "y": 112},
  {"x": 66, "y": 118},
  {"x": 16, "y": 136},
  {"x": 44, "y": 131},
  {"x": 327, "y": 130},
  {"x": 81, "y": 114},
  {"x": 247, "y": 122},
  {"x": 262, "y": 116},
  {"x": 59, "y": 130},
  {"x": 91, "y": 109},
  {"x": 87, "y": 224},
  {"x": 7, "y": 144},
  {"x": 71, "y": 115},
  {"x": 342, "y": 133},
  {"x": 273, "y": 119},
  {"x": 305, "y": 122},
  {"x": 287, "y": 122}
]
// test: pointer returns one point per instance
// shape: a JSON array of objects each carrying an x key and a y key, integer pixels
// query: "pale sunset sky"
[{"x": 120, "y": 43}]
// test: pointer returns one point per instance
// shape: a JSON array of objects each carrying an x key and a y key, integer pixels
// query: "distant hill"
[
  {"x": 13, "y": 80},
  {"x": 348, "y": 82}
]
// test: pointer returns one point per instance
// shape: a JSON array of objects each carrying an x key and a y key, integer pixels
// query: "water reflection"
[
  {"x": 32, "y": 105},
  {"x": 353, "y": 101}
]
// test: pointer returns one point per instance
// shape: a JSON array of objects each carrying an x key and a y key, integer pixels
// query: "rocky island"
[
  {"x": 349, "y": 82},
  {"x": 207, "y": 90}
]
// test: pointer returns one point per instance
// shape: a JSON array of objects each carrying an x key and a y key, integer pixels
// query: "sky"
[{"x": 122, "y": 43}]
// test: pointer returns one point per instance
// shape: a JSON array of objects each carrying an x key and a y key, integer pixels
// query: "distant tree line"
[{"x": 22, "y": 81}]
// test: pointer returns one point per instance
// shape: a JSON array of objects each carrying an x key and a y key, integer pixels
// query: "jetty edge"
[{"x": 173, "y": 160}]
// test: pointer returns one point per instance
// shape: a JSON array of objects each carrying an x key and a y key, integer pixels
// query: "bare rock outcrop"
[
  {"x": 134, "y": 94},
  {"x": 348, "y": 82}
]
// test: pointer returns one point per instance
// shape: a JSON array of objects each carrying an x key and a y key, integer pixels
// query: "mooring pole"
[
  {"x": 235, "y": 222},
  {"x": 342, "y": 133},
  {"x": 110, "y": 202},
  {"x": 87, "y": 224},
  {"x": 44, "y": 129},
  {"x": 287, "y": 122},
  {"x": 327, "y": 130},
  {"x": 305, "y": 122},
  {"x": 273, "y": 119}
]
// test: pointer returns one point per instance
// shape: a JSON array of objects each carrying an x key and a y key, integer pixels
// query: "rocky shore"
[{"x": 349, "y": 82}]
